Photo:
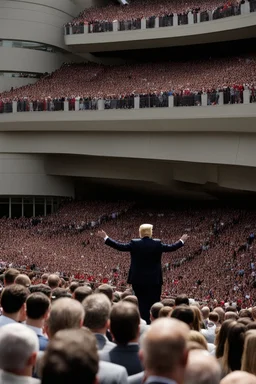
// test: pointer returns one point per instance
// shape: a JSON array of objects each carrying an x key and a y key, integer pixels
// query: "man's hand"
[
  {"x": 102, "y": 234},
  {"x": 184, "y": 237}
]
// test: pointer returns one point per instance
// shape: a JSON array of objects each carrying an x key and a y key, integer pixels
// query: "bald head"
[
  {"x": 239, "y": 377},
  {"x": 164, "y": 351},
  {"x": 202, "y": 369}
]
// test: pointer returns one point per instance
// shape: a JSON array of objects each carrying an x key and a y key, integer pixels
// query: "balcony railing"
[{"x": 163, "y": 100}]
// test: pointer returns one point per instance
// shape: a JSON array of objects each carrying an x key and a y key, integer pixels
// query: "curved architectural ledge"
[
  {"x": 36, "y": 20},
  {"x": 30, "y": 61},
  {"x": 225, "y": 118},
  {"x": 230, "y": 28}
]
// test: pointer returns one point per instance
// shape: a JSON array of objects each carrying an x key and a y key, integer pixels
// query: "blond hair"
[
  {"x": 249, "y": 353},
  {"x": 198, "y": 338},
  {"x": 146, "y": 230}
]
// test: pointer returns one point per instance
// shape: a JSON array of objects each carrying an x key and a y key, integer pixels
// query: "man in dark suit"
[
  {"x": 145, "y": 272},
  {"x": 125, "y": 329}
]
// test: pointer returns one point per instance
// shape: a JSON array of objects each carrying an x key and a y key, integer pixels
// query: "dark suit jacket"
[
  {"x": 146, "y": 256},
  {"x": 127, "y": 356}
]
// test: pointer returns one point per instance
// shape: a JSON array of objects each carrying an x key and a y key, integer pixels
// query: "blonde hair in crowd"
[
  {"x": 146, "y": 230},
  {"x": 249, "y": 353}
]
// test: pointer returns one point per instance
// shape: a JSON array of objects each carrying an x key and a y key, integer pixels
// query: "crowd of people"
[
  {"x": 62, "y": 331},
  {"x": 88, "y": 83},
  {"x": 101, "y": 19},
  {"x": 217, "y": 264}
]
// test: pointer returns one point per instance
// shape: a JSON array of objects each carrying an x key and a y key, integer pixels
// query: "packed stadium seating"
[
  {"x": 90, "y": 82},
  {"x": 215, "y": 264}
]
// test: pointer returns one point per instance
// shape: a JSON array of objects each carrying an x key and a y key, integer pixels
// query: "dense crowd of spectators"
[
  {"x": 216, "y": 264},
  {"x": 100, "y": 19},
  {"x": 87, "y": 83}
]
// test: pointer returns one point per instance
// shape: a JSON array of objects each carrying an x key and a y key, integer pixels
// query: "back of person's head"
[
  {"x": 165, "y": 312},
  {"x": 44, "y": 278},
  {"x": 198, "y": 338},
  {"x": 65, "y": 313},
  {"x": 253, "y": 313},
  {"x": 205, "y": 312},
  {"x": 245, "y": 320},
  {"x": 81, "y": 293},
  {"x": 18, "y": 348},
  {"x": 221, "y": 337},
  {"x": 106, "y": 289},
  {"x": 37, "y": 305},
  {"x": 245, "y": 313},
  {"x": 185, "y": 314},
  {"x": 251, "y": 326},
  {"x": 181, "y": 299},
  {"x": 13, "y": 298},
  {"x": 58, "y": 293},
  {"x": 154, "y": 311},
  {"x": 202, "y": 369},
  {"x": 164, "y": 349},
  {"x": 71, "y": 357},
  {"x": 214, "y": 317},
  {"x": 124, "y": 322},
  {"x": 127, "y": 292},
  {"x": 197, "y": 323},
  {"x": 53, "y": 281},
  {"x": 231, "y": 308},
  {"x": 233, "y": 348},
  {"x": 194, "y": 345},
  {"x": 239, "y": 377},
  {"x": 221, "y": 314},
  {"x": 97, "y": 309},
  {"x": 231, "y": 316},
  {"x": 146, "y": 230},
  {"x": 168, "y": 302},
  {"x": 10, "y": 276},
  {"x": 73, "y": 286},
  {"x": 23, "y": 280},
  {"x": 41, "y": 288},
  {"x": 132, "y": 299},
  {"x": 249, "y": 353},
  {"x": 116, "y": 297}
]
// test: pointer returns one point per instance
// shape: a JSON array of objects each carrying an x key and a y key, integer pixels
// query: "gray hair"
[
  {"x": 17, "y": 344},
  {"x": 97, "y": 311}
]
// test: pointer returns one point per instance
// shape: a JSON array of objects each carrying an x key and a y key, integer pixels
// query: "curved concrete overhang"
[
  {"x": 230, "y": 28},
  {"x": 225, "y": 118}
]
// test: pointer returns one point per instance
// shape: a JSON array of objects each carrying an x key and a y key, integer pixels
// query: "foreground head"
[
  {"x": 249, "y": 353},
  {"x": 146, "y": 230},
  {"x": 202, "y": 368},
  {"x": 65, "y": 313},
  {"x": 18, "y": 349},
  {"x": 71, "y": 356},
  {"x": 239, "y": 377},
  {"x": 125, "y": 323},
  {"x": 164, "y": 349},
  {"x": 97, "y": 312}
]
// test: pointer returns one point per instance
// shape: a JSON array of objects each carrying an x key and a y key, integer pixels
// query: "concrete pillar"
[
  {"x": 66, "y": 106},
  {"x": 210, "y": 15},
  {"x": 246, "y": 96},
  {"x": 14, "y": 107},
  {"x": 198, "y": 17},
  {"x": 101, "y": 104},
  {"x": 245, "y": 8},
  {"x": 143, "y": 23},
  {"x": 70, "y": 30},
  {"x": 157, "y": 22},
  {"x": 136, "y": 102},
  {"x": 77, "y": 105},
  {"x": 190, "y": 18},
  {"x": 221, "y": 98},
  {"x": 115, "y": 26},
  {"x": 204, "y": 99},
  {"x": 175, "y": 20},
  {"x": 86, "y": 28},
  {"x": 30, "y": 107},
  {"x": 171, "y": 101}
]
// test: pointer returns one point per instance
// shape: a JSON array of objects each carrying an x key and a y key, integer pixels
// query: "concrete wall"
[
  {"x": 231, "y": 28},
  {"x": 24, "y": 175},
  {"x": 6, "y": 83},
  {"x": 36, "y": 20}
]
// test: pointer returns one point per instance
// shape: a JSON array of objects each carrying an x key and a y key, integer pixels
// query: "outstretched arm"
[
  {"x": 123, "y": 247},
  {"x": 175, "y": 246}
]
